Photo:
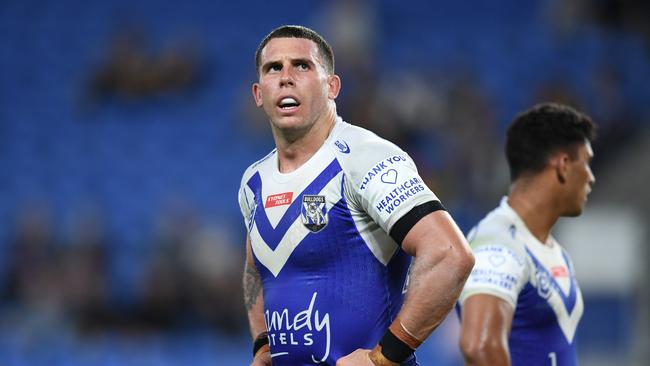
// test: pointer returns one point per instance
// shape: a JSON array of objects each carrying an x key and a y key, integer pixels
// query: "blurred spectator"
[
  {"x": 133, "y": 71},
  {"x": 214, "y": 274},
  {"x": 84, "y": 270},
  {"x": 35, "y": 288},
  {"x": 406, "y": 109},
  {"x": 194, "y": 269},
  {"x": 475, "y": 157},
  {"x": 622, "y": 14},
  {"x": 164, "y": 301},
  {"x": 352, "y": 28},
  {"x": 557, "y": 91},
  {"x": 32, "y": 273}
]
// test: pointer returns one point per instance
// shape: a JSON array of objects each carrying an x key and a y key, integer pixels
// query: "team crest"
[
  {"x": 313, "y": 212},
  {"x": 543, "y": 283}
]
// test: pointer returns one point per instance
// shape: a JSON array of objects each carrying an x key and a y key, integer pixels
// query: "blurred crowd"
[
  {"x": 59, "y": 278},
  {"x": 71, "y": 269}
]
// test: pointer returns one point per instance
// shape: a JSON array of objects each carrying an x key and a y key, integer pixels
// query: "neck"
[
  {"x": 534, "y": 202},
  {"x": 296, "y": 147}
]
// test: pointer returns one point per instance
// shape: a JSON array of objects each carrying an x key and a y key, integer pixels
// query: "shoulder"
[
  {"x": 497, "y": 229},
  {"x": 501, "y": 268},
  {"x": 359, "y": 150},
  {"x": 354, "y": 141}
]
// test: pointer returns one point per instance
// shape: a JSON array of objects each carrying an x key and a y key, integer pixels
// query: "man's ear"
[
  {"x": 257, "y": 94},
  {"x": 560, "y": 162},
  {"x": 333, "y": 86}
]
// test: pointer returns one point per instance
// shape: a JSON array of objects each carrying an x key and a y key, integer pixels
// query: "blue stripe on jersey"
[
  {"x": 536, "y": 337},
  {"x": 333, "y": 296},
  {"x": 271, "y": 235},
  {"x": 570, "y": 301}
]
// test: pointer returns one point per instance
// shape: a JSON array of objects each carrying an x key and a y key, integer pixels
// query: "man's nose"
[
  {"x": 592, "y": 178},
  {"x": 286, "y": 78}
]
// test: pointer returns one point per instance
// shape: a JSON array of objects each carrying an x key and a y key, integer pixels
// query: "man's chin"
[
  {"x": 288, "y": 122},
  {"x": 574, "y": 212}
]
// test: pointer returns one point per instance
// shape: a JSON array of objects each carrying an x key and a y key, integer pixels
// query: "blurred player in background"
[
  {"x": 334, "y": 215},
  {"x": 521, "y": 304}
]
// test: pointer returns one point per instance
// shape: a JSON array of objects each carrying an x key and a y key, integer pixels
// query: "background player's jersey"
[
  {"x": 536, "y": 279},
  {"x": 333, "y": 278}
]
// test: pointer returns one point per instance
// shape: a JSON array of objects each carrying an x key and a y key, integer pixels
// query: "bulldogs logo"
[
  {"x": 543, "y": 283},
  {"x": 314, "y": 212}
]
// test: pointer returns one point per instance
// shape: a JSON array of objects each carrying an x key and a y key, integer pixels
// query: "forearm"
[
  {"x": 254, "y": 300},
  {"x": 436, "y": 280}
]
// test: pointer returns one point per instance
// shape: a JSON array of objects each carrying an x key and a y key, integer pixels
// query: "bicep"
[{"x": 435, "y": 232}]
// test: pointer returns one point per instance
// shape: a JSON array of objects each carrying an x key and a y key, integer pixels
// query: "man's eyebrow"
[
  {"x": 297, "y": 61},
  {"x": 266, "y": 66}
]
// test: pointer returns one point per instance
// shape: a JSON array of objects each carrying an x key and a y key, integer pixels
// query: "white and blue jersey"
[
  {"x": 536, "y": 278},
  {"x": 325, "y": 242}
]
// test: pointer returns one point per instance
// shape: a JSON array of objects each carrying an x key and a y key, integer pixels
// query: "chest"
[
  {"x": 302, "y": 218},
  {"x": 551, "y": 298}
]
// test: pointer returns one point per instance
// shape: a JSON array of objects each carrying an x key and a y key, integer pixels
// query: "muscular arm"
[
  {"x": 486, "y": 322},
  {"x": 442, "y": 262},
  {"x": 254, "y": 302}
]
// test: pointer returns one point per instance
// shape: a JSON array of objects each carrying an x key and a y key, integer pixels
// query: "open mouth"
[{"x": 288, "y": 103}]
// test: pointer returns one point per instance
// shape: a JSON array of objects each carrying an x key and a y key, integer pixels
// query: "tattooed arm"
[{"x": 254, "y": 301}]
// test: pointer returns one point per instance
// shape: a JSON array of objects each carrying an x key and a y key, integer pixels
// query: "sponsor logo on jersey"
[
  {"x": 313, "y": 212},
  {"x": 512, "y": 230},
  {"x": 342, "y": 146},
  {"x": 559, "y": 271},
  {"x": 279, "y": 199},
  {"x": 387, "y": 177},
  {"x": 286, "y": 329}
]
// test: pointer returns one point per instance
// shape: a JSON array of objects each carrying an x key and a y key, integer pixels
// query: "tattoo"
[{"x": 252, "y": 286}]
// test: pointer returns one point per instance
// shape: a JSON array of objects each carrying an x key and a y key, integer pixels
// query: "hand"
[
  {"x": 263, "y": 358},
  {"x": 357, "y": 358}
]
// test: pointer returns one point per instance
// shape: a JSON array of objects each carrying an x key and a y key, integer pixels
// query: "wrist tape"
[
  {"x": 398, "y": 349},
  {"x": 260, "y": 341}
]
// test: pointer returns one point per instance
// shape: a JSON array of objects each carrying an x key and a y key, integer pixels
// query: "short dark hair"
[
  {"x": 298, "y": 31},
  {"x": 541, "y": 131}
]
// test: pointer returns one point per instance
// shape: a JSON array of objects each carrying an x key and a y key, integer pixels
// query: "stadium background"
[{"x": 125, "y": 127}]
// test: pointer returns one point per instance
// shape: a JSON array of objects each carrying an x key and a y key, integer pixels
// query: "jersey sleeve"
[
  {"x": 498, "y": 271},
  {"x": 395, "y": 193},
  {"x": 389, "y": 188}
]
